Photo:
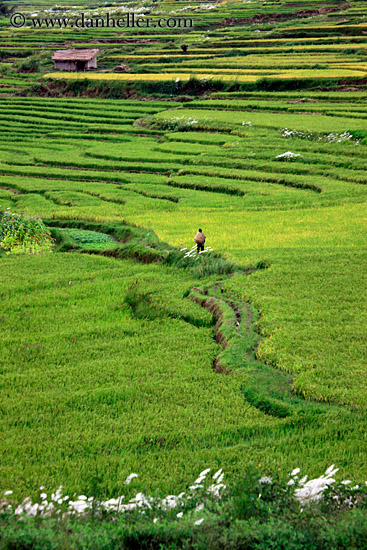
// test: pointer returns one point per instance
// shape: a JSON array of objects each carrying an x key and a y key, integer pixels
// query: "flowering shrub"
[
  {"x": 339, "y": 138},
  {"x": 257, "y": 511},
  {"x": 21, "y": 234},
  {"x": 288, "y": 156},
  {"x": 58, "y": 504},
  {"x": 286, "y": 133},
  {"x": 179, "y": 123},
  {"x": 312, "y": 489},
  {"x": 202, "y": 496},
  {"x": 332, "y": 137}
]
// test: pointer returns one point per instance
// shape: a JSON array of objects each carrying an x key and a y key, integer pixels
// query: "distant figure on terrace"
[{"x": 200, "y": 240}]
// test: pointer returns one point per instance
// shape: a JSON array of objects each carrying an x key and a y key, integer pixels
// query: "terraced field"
[
  {"x": 120, "y": 351},
  {"x": 238, "y": 44}
]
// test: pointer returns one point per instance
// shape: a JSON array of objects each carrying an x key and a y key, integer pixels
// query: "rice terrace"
[{"x": 156, "y": 393}]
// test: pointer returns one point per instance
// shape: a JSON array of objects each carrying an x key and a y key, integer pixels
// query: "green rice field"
[{"x": 112, "y": 360}]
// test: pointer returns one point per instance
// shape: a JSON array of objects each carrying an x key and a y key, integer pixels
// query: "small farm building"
[{"x": 75, "y": 60}]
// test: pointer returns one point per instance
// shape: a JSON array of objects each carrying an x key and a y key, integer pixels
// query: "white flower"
[
  {"x": 58, "y": 493},
  {"x": 199, "y": 480},
  {"x": 78, "y": 506},
  {"x": 305, "y": 491},
  {"x": 130, "y": 478},
  {"x": 313, "y": 489},
  {"x": 288, "y": 156},
  {"x": 7, "y": 493},
  {"x": 331, "y": 470},
  {"x": 140, "y": 500},
  {"x": 215, "y": 489},
  {"x": 112, "y": 503},
  {"x": 169, "y": 502},
  {"x": 265, "y": 479}
]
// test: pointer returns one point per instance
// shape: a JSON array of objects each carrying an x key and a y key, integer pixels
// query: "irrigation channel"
[{"x": 267, "y": 388}]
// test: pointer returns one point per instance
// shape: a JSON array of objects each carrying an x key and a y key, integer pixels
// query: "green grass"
[
  {"x": 230, "y": 119},
  {"x": 315, "y": 285},
  {"x": 107, "y": 366},
  {"x": 108, "y": 369}
]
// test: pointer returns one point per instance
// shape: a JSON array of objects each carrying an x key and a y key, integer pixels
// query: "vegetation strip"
[{"x": 268, "y": 389}]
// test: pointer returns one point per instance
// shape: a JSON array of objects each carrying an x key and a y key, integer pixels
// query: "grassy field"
[{"x": 107, "y": 366}]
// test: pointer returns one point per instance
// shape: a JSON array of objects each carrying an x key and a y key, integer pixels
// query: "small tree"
[
  {"x": 5, "y": 9},
  {"x": 30, "y": 65}
]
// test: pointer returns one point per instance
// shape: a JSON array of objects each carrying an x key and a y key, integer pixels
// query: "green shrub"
[
  {"x": 22, "y": 234},
  {"x": 31, "y": 65},
  {"x": 257, "y": 511},
  {"x": 255, "y": 496}
]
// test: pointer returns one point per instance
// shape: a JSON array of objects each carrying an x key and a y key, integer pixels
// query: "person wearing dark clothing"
[{"x": 200, "y": 240}]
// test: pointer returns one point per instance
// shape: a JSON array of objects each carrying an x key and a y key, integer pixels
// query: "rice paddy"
[{"x": 258, "y": 135}]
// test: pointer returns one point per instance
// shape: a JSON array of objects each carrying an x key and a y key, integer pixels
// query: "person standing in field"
[{"x": 200, "y": 240}]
